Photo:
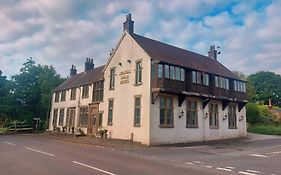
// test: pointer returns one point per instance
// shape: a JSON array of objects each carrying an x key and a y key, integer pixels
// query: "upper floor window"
[
  {"x": 171, "y": 72},
  {"x": 166, "y": 111},
  {"x": 239, "y": 86},
  {"x": 63, "y": 94},
  {"x": 57, "y": 96},
  {"x": 213, "y": 116},
  {"x": 138, "y": 72},
  {"x": 221, "y": 82},
  {"x": 85, "y": 91},
  {"x": 98, "y": 91},
  {"x": 73, "y": 94},
  {"x": 192, "y": 114},
  {"x": 112, "y": 79},
  {"x": 200, "y": 78}
]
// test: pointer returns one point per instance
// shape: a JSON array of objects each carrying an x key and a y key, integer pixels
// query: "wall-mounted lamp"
[
  {"x": 206, "y": 115},
  {"x": 241, "y": 118},
  {"x": 129, "y": 61},
  {"x": 120, "y": 64},
  {"x": 225, "y": 117},
  {"x": 181, "y": 114}
]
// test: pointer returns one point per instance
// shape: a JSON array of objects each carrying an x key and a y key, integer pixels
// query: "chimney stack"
[
  {"x": 89, "y": 64},
  {"x": 128, "y": 25},
  {"x": 213, "y": 52},
  {"x": 73, "y": 70}
]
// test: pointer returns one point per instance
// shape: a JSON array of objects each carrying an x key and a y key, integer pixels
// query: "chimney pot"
[
  {"x": 213, "y": 52},
  {"x": 128, "y": 25},
  {"x": 89, "y": 64},
  {"x": 73, "y": 70}
]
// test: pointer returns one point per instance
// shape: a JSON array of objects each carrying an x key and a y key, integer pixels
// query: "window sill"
[
  {"x": 214, "y": 127},
  {"x": 232, "y": 127},
  {"x": 84, "y": 97},
  {"x": 138, "y": 84},
  {"x": 192, "y": 127},
  {"x": 72, "y": 99},
  {"x": 137, "y": 126},
  {"x": 111, "y": 89},
  {"x": 109, "y": 124},
  {"x": 166, "y": 126}
]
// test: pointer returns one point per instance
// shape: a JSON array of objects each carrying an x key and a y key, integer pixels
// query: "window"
[
  {"x": 182, "y": 74},
  {"x": 61, "y": 117},
  {"x": 100, "y": 118},
  {"x": 178, "y": 74},
  {"x": 110, "y": 112},
  {"x": 57, "y": 96},
  {"x": 221, "y": 82},
  {"x": 206, "y": 79},
  {"x": 85, "y": 91},
  {"x": 172, "y": 72},
  {"x": 73, "y": 94},
  {"x": 200, "y": 78},
  {"x": 160, "y": 70},
  {"x": 98, "y": 91},
  {"x": 232, "y": 119},
  {"x": 194, "y": 77},
  {"x": 83, "y": 119},
  {"x": 63, "y": 94},
  {"x": 214, "y": 116},
  {"x": 192, "y": 115},
  {"x": 138, "y": 72},
  {"x": 137, "y": 113},
  {"x": 112, "y": 79},
  {"x": 167, "y": 71},
  {"x": 166, "y": 112},
  {"x": 239, "y": 86},
  {"x": 55, "y": 118}
]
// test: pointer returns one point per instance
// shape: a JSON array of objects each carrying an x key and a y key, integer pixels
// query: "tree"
[
  {"x": 267, "y": 86},
  {"x": 4, "y": 95}
]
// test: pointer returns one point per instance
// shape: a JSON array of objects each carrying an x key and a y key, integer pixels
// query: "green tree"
[
  {"x": 267, "y": 86},
  {"x": 4, "y": 95}
]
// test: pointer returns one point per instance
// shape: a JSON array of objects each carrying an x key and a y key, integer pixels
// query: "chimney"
[
  {"x": 213, "y": 52},
  {"x": 128, "y": 25},
  {"x": 89, "y": 64},
  {"x": 73, "y": 70}
]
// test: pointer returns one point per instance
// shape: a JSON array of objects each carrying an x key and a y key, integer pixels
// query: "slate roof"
[
  {"x": 177, "y": 56},
  {"x": 82, "y": 78}
]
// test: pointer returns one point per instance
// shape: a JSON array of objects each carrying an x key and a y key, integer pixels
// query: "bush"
[
  {"x": 253, "y": 113},
  {"x": 265, "y": 129}
]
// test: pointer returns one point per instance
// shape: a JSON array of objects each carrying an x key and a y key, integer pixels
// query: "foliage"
[
  {"x": 253, "y": 113},
  {"x": 265, "y": 129},
  {"x": 4, "y": 130},
  {"x": 267, "y": 86}
]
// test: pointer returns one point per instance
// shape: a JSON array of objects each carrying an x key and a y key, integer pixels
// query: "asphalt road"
[{"x": 23, "y": 154}]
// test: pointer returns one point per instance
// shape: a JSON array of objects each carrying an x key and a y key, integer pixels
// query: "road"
[{"x": 25, "y": 154}]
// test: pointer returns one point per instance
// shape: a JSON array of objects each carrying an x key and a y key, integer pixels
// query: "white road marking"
[
  {"x": 230, "y": 167},
  {"x": 246, "y": 173},
  {"x": 189, "y": 163},
  {"x": 42, "y": 152},
  {"x": 127, "y": 152},
  {"x": 208, "y": 166},
  {"x": 223, "y": 169},
  {"x": 94, "y": 168},
  {"x": 9, "y": 143},
  {"x": 196, "y": 162},
  {"x": 253, "y": 171},
  {"x": 99, "y": 146},
  {"x": 258, "y": 155}
]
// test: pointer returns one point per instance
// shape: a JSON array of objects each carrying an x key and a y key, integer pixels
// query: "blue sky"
[{"x": 65, "y": 32}]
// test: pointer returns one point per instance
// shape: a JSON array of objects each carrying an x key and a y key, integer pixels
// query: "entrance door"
[{"x": 93, "y": 119}]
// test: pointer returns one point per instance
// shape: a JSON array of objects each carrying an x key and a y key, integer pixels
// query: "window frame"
[
  {"x": 112, "y": 75},
  {"x": 85, "y": 91},
  {"x": 55, "y": 118},
  {"x": 232, "y": 116},
  {"x": 83, "y": 116},
  {"x": 110, "y": 111},
  {"x": 73, "y": 93},
  {"x": 213, "y": 116},
  {"x": 137, "y": 119},
  {"x": 190, "y": 111},
  {"x": 57, "y": 97},
  {"x": 61, "y": 117},
  {"x": 63, "y": 95},
  {"x": 138, "y": 73},
  {"x": 167, "y": 109}
]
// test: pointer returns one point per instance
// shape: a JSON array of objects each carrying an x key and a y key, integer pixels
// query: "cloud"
[{"x": 61, "y": 33}]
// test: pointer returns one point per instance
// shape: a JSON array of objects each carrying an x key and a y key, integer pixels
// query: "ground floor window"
[
  {"x": 61, "y": 117},
  {"x": 166, "y": 111},
  {"x": 55, "y": 118},
  {"x": 192, "y": 114},
  {"x": 232, "y": 119},
  {"x": 83, "y": 118},
  {"x": 137, "y": 113},
  {"x": 213, "y": 116},
  {"x": 100, "y": 118}
]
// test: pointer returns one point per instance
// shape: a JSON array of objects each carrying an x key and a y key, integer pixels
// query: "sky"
[{"x": 65, "y": 32}]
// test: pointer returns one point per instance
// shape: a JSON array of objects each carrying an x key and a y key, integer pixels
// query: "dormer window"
[
  {"x": 171, "y": 72},
  {"x": 200, "y": 78},
  {"x": 239, "y": 86},
  {"x": 221, "y": 82}
]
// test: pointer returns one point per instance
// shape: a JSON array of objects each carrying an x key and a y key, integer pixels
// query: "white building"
[{"x": 153, "y": 93}]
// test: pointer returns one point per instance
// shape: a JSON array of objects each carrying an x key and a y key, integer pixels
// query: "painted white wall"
[
  {"x": 181, "y": 134},
  {"x": 123, "y": 94}
]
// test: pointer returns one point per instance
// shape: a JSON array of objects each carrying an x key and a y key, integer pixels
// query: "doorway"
[{"x": 93, "y": 119}]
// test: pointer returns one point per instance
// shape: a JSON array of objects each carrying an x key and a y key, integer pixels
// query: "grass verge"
[
  {"x": 265, "y": 129},
  {"x": 3, "y": 130}
]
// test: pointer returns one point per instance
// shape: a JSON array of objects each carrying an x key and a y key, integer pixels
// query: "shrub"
[{"x": 253, "y": 113}]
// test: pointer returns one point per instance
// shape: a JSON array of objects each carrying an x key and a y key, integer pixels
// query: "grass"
[
  {"x": 265, "y": 129},
  {"x": 3, "y": 130}
]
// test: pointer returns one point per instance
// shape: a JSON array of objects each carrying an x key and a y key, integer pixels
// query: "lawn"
[
  {"x": 3, "y": 130},
  {"x": 265, "y": 129}
]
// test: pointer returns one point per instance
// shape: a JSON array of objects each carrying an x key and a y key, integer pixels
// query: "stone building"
[{"x": 153, "y": 93}]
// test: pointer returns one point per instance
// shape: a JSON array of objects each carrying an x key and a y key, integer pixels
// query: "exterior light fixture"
[
  {"x": 120, "y": 64},
  {"x": 181, "y": 114},
  {"x": 225, "y": 117},
  {"x": 206, "y": 115},
  {"x": 129, "y": 61},
  {"x": 241, "y": 118}
]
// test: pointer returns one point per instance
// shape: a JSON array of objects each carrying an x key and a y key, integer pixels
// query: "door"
[
  {"x": 70, "y": 119},
  {"x": 93, "y": 119}
]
